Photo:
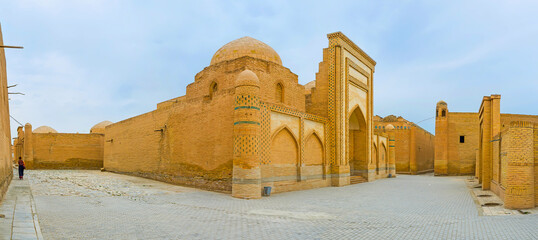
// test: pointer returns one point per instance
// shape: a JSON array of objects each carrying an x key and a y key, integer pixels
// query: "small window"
[
  {"x": 443, "y": 113},
  {"x": 279, "y": 96},
  {"x": 213, "y": 89},
  {"x": 462, "y": 139}
]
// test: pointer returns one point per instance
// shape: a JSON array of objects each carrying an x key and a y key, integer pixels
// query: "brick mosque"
[{"x": 245, "y": 123}]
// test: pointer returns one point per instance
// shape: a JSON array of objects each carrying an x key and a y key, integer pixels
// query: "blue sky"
[{"x": 88, "y": 61}]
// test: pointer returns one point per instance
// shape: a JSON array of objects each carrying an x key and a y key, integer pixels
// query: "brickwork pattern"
[
  {"x": 5, "y": 130},
  {"x": 520, "y": 166},
  {"x": 423, "y": 144}
]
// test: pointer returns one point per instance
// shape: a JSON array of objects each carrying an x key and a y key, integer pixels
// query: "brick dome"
[
  {"x": 100, "y": 127},
  {"x": 44, "y": 129},
  {"x": 247, "y": 78},
  {"x": 246, "y": 46}
]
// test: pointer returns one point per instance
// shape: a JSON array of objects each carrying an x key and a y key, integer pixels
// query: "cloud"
[{"x": 89, "y": 61}]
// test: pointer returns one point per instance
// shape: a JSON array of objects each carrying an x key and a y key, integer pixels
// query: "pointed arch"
[
  {"x": 384, "y": 156},
  {"x": 284, "y": 148},
  {"x": 279, "y": 93},
  {"x": 314, "y": 151},
  {"x": 279, "y": 129},
  {"x": 359, "y": 144},
  {"x": 213, "y": 88}
]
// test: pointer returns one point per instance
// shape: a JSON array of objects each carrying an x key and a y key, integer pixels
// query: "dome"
[
  {"x": 100, "y": 127},
  {"x": 246, "y": 46},
  {"x": 389, "y": 127},
  {"x": 44, "y": 129},
  {"x": 247, "y": 78},
  {"x": 441, "y": 103}
]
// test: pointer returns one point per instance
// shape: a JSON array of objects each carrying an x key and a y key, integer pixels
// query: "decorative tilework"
[
  {"x": 292, "y": 112},
  {"x": 265, "y": 135}
]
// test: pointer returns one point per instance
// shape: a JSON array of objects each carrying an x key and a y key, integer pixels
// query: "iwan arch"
[{"x": 246, "y": 123}]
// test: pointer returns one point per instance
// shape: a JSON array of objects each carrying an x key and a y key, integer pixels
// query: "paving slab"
[
  {"x": 20, "y": 221},
  {"x": 100, "y": 205}
]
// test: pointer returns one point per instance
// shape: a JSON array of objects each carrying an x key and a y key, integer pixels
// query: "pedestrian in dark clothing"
[{"x": 21, "y": 168}]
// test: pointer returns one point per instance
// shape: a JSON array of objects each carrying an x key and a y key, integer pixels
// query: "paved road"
[{"x": 96, "y": 205}]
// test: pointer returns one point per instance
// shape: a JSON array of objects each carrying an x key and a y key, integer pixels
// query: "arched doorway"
[{"x": 358, "y": 144}]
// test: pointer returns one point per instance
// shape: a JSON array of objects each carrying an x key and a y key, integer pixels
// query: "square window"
[{"x": 462, "y": 139}]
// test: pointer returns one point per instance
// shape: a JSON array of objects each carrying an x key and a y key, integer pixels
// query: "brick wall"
[
  {"x": 462, "y": 156},
  {"x": 67, "y": 151},
  {"x": 425, "y": 150},
  {"x": 6, "y": 170},
  {"x": 421, "y": 141},
  {"x": 520, "y": 175},
  {"x": 189, "y": 143}
]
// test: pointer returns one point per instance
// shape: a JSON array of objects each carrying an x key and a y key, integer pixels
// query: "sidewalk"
[{"x": 20, "y": 221}]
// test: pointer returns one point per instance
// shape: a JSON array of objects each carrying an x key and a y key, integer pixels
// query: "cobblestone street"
[{"x": 101, "y": 205}]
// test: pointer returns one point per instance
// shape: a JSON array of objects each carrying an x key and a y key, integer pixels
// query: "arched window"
[
  {"x": 443, "y": 113},
  {"x": 213, "y": 89},
  {"x": 279, "y": 97}
]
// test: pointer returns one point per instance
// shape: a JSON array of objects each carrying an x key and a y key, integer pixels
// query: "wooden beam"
[{"x": 18, "y": 47}]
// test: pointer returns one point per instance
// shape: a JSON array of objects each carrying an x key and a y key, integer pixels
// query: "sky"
[{"x": 84, "y": 62}]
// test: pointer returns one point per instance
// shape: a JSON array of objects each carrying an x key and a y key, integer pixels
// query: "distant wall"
[
  {"x": 6, "y": 169},
  {"x": 457, "y": 141},
  {"x": 414, "y": 146},
  {"x": 67, "y": 151},
  {"x": 425, "y": 150},
  {"x": 462, "y": 156}
]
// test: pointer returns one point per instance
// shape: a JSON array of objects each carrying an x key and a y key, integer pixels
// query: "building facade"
[
  {"x": 6, "y": 167},
  {"x": 414, "y": 146},
  {"x": 507, "y": 159},
  {"x": 456, "y": 141},
  {"x": 501, "y": 150},
  {"x": 246, "y": 123}
]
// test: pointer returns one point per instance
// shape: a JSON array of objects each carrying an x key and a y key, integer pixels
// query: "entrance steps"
[{"x": 357, "y": 179}]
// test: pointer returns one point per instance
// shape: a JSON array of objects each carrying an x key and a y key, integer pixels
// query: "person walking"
[{"x": 21, "y": 168}]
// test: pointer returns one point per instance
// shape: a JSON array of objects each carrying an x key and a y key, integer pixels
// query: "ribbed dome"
[
  {"x": 100, "y": 127},
  {"x": 441, "y": 103},
  {"x": 246, "y": 46},
  {"x": 44, "y": 129}
]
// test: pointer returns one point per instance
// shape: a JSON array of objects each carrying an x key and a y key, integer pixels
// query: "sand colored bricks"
[
  {"x": 413, "y": 146},
  {"x": 456, "y": 141},
  {"x": 45, "y": 148},
  {"x": 499, "y": 149},
  {"x": 5, "y": 132},
  {"x": 246, "y": 123}
]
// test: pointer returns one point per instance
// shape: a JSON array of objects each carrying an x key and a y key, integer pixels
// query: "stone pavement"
[
  {"x": 102, "y": 205},
  {"x": 18, "y": 207},
  {"x": 483, "y": 198}
]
